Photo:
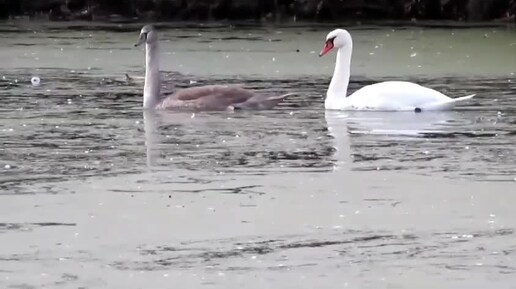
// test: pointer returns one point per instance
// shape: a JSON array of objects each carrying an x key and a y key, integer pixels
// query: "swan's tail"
[
  {"x": 447, "y": 105},
  {"x": 262, "y": 102}
]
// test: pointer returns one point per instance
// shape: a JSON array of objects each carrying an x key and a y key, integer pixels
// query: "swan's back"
[
  {"x": 208, "y": 97},
  {"x": 393, "y": 96}
]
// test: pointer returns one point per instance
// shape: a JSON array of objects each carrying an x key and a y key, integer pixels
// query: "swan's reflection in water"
[
  {"x": 154, "y": 123},
  {"x": 353, "y": 132},
  {"x": 437, "y": 143}
]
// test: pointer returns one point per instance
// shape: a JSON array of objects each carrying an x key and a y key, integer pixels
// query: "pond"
[{"x": 95, "y": 193}]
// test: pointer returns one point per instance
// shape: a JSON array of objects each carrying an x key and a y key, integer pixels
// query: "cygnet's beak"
[{"x": 141, "y": 39}]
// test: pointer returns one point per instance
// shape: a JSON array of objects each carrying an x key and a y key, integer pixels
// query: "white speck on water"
[
  {"x": 193, "y": 81},
  {"x": 413, "y": 54},
  {"x": 466, "y": 147},
  {"x": 254, "y": 257},
  {"x": 7, "y": 167},
  {"x": 193, "y": 115},
  {"x": 371, "y": 53},
  {"x": 35, "y": 81},
  {"x": 274, "y": 59},
  {"x": 492, "y": 215},
  {"x": 137, "y": 122},
  {"x": 165, "y": 275},
  {"x": 357, "y": 212}
]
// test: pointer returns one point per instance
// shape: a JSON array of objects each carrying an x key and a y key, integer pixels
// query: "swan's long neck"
[
  {"x": 152, "y": 76},
  {"x": 340, "y": 80}
]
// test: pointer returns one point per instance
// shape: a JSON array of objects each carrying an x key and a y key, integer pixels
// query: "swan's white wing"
[{"x": 398, "y": 96}]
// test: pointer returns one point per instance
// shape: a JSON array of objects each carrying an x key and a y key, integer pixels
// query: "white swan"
[
  {"x": 383, "y": 96},
  {"x": 209, "y": 97}
]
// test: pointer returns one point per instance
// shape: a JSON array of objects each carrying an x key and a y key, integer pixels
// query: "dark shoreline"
[
  {"x": 261, "y": 11},
  {"x": 19, "y": 25}
]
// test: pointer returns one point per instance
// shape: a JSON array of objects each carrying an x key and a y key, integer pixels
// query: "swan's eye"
[{"x": 329, "y": 42}]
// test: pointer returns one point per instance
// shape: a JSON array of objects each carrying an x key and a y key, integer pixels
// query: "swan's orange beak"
[{"x": 328, "y": 46}]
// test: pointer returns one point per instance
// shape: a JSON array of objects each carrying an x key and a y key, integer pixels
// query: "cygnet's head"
[
  {"x": 148, "y": 35},
  {"x": 338, "y": 38}
]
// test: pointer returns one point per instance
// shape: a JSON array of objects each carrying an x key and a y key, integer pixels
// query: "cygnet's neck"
[
  {"x": 340, "y": 80},
  {"x": 152, "y": 76}
]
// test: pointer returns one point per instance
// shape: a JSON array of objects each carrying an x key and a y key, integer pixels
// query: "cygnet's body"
[{"x": 210, "y": 97}]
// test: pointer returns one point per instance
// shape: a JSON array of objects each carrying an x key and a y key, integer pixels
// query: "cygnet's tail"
[
  {"x": 447, "y": 105},
  {"x": 262, "y": 102}
]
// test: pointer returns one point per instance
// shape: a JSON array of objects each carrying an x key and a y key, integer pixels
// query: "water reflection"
[
  {"x": 349, "y": 128},
  {"x": 150, "y": 122}
]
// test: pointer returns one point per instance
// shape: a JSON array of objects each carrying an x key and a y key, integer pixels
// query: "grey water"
[{"x": 95, "y": 193}]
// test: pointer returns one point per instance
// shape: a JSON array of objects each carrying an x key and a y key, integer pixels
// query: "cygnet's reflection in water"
[
  {"x": 354, "y": 132},
  {"x": 150, "y": 121},
  {"x": 275, "y": 142},
  {"x": 153, "y": 121}
]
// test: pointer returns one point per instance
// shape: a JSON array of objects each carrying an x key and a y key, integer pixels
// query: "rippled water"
[{"x": 97, "y": 194}]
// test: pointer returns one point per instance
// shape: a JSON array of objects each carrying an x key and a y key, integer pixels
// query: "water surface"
[{"x": 97, "y": 194}]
